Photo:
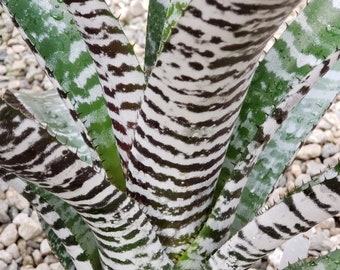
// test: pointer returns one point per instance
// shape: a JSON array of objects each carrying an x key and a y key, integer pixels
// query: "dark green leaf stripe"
[
  {"x": 156, "y": 19},
  {"x": 193, "y": 97},
  {"x": 61, "y": 51},
  {"x": 110, "y": 214},
  {"x": 297, "y": 213}
]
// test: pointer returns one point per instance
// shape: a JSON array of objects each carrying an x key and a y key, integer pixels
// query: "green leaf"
[
  {"x": 51, "y": 33},
  {"x": 331, "y": 261},
  {"x": 74, "y": 223},
  {"x": 57, "y": 247},
  {"x": 155, "y": 23},
  {"x": 281, "y": 150}
]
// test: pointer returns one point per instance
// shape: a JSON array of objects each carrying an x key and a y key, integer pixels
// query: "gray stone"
[{"x": 13, "y": 266}]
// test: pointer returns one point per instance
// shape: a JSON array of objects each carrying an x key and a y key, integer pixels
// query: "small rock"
[
  {"x": 5, "y": 256},
  {"x": 315, "y": 168},
  {"x": 9, "y": 235},
  {"x": 317, "y": 136},
  {"x": 56, "y": 266},
  {"x": 18, "y": 48},
  {"x": 22, "y": 247},
  {"x": 13, "y": 266},
  {"x": 332, "y": 118},
  {"x": 309, "y": 151},
  {"x": 324, "y": 125},
  {"x": 3, "y": 265},
  {"x": 321, "y": 241},
  {"x": 332, "y": 161},
  {"x": 37, "y": 258},
  {"x": 296, "y": 169},
  {"x": 29, "y": 229},
  {"x": 302, "y": 179},
  {"x": 49, "y": 259},
  {"x": 13, "y": 249},
  {"x": 27, "y": 260},
  {"x": 20, "y": 218},
  {"x": 4, "y": 218},
  {"x": 329, "y": 149},
  {"x": 15, "y": 199},
  {"x": 3, "y": 70},
  {"x": 45, "y": 247},
  {"x": 18, "y": 65},
  {"x": 13, "y": 85},
  {"x": 43, "y": 266}
]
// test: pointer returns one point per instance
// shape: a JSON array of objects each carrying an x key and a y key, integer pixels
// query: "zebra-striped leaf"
[
  {"x": 48, "y": 109},
  {"x": 64, "y": 242},
  {"x": 50, "y": 32},
  {"x": 119, "y": 72},
  {"x": 122, "y": 231},
  {"x": 281, "y": 150},
  {"x": 280, "y": 71},
  {"x": 192, "y": 100},
  {"x": 295, "y": 214},
  {"x": 331, "y": 261}
]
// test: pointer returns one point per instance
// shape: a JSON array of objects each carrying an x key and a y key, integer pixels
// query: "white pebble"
[
  {"x": 13, "y": 249},
  {"x": 6, "y": 256},
  {"x": 43, "y": 266},
  {"x": 309, "y": 151},
  {"x": 45, "y": 247},
  {"x": 29, "y": 229},
  {"x": 9, "y": 235},
  {"x": 15, "y": 199}
]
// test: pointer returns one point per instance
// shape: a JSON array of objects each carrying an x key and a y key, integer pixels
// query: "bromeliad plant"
[{"x": 170, "y": 168}]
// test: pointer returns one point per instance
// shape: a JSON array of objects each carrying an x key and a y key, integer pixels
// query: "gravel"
[{"x": 22, "y": 242}]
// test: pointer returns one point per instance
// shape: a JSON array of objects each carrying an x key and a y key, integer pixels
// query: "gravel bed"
[{"x": 22, "y": 242}]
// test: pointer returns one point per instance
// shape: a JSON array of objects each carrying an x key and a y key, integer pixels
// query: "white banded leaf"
[
  {"x": 192, "y": 100},
  {"x": 123, "y": 233},
  {"x": 60, "y": 50},
  {"x": 295, "y": 214}
]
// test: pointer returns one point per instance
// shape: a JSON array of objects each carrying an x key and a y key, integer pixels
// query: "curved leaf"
[
  {"x": 51, "y": 34},
  {"x": 122, "y": 231},
  {"x": 295, "y": 214}
]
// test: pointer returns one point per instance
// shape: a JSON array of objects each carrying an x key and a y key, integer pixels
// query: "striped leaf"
[
  {"x": 50, "y": 32},
  {"x": 119, "y": 72},
  {"x": 190, "y": 105},
  {"x": 297, "y": 213},
  {"x": 282, "y": 149},
  {"x": 51, "y": 113},
  {"x": 280, "y": 71},
  {"x": 60, "y": 237},
  {"x": 122, "y": 231}
]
